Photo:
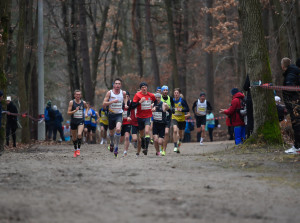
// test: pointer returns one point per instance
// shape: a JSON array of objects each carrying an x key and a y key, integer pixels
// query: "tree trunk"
[
  {"x": 84, "y": 52},
  {"x": 208, "y": 55},
  {"x": 297, "y": 27},
  {"x": 5, "y": 12},
  {"x": 152, "y": 47},
  {"x": 266, "y": 125},
  {"x": 173, "y": 53},
  {"x": 137, "y": 34},
  {"x": 20, "y": 72}
]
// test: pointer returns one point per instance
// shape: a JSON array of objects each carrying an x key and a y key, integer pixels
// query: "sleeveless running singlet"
[
  {"x": 116, "y": 108},
  {"x": 201, "y": 107},
  {"x": 77, "y": 117}
]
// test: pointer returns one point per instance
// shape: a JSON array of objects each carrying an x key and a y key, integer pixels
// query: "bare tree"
[{"x": 266, "y": 125}]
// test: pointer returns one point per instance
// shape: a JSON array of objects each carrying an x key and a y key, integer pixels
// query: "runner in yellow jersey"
[{"x": 103, "y": 120}]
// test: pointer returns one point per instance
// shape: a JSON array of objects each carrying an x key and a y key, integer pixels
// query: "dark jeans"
[
  {"x": 11, "y": 129},
  {"x": 293, "y": 108},
  {"x": 231, "y": 132},
  {"x": 49, "y": 130},
  {"x": 60, "y": 130},
  {"x": 210, "y": 132},
  {"x": 187, "y": 137}
]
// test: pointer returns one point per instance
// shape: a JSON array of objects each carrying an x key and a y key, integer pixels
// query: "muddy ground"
[{"x": 44, "y": 183}]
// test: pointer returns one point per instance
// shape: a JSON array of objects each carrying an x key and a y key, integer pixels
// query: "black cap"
[
  {"x": 1, "y": 93},
  {"x": 127, "y": 93},
  {"x": 202, "y": 93},
  {"x": 143, "y": 84}
]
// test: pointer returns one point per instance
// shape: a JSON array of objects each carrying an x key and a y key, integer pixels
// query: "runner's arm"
[
  {"x": 194, "y": 106},
  {"x": 70, "y": 112},
  {"x": 106, "y": 101},
  {"x": 185, "y": 106}
]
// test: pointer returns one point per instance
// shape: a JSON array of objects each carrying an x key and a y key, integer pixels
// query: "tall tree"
[
  {"x": 152, "y": 46},
  {"x": 173, "y": 53},
  {"x": 266, "y": 125},
  {"x": 84, "y": 52},
  {"x": 20, "y": 72},
  {"x": 5, "y": 12},
  {"x": 208, "y": 55}
]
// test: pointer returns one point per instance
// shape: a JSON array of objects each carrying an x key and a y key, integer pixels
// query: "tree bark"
[
  {"x": 84, "y": 52},
  {"x": 152, "y": 47},
  {"x": 22, "y": 93},
  {"x": 5, "y": 12},
  {"x": 266, "y": 125},
  {"x": 173, "y": 53},
  {"x": 208, "y": 55},
  {"x": 137, "y": 34}
]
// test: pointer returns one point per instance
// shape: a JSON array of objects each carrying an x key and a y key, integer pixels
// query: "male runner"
[
  {"x": 87, "y": 123},
  {"x": 178, "y": 119},
  {"x": 159, "y": 121},
  {"x": 93, "y": 125},
  {"x": 114, "y": 101},
  {"x": 126, "y": 126},
  {"x": 75, "y": 109},
  {"x": 103, "y": 125},
  {"x": 200, "y": 115},
  {"x": 169, "y": 100},
  {"x": 143, "y": 100}
]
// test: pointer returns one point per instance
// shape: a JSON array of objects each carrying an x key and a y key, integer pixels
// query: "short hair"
[
  {"x": 118, "y": 79},
  {"x": 285, "y": 62},
  {"x": 177, "y": 89},
  {"x": 77, "y": 91}
]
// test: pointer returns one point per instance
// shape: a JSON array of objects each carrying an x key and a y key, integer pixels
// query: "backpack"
[{"x": 242, "y": 110}]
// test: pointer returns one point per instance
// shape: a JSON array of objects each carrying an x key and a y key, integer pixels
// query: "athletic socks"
[
  {"x": 201, "y": 140},
  {"x": 75, "y": 144},
  {"x": 175, "y": 144},
  {"x": 111, "y": 139},
  {"x": 143, "y": 143},
  {"x": 79, "y": 143},
  {"x": 117, "y": 138},
  {"x": 147, "y": 139},
  {"x": 198, "y": 136}
]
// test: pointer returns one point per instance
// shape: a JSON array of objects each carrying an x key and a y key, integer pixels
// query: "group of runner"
[{"x": 147, "y": 113}]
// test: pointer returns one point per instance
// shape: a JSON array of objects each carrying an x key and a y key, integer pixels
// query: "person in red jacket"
[{"x": 233, "y": 112}]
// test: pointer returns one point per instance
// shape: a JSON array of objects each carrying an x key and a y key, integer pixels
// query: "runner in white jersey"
[
  {"x": 200, "y": 108},
  {"x": 114, "y": 101}
]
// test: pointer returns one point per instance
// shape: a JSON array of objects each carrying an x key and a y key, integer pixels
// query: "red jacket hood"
[{"x": 238, "y": 95}]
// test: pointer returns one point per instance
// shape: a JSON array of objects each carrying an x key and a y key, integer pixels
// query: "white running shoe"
[
  {"x": 292, "y": 150},
  {"x": 101, "y": 141},
  {"x": 175, "y": 149},
  {"x": 201, "y": 143}
]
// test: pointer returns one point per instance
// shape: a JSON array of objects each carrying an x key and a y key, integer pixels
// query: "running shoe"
[
  {"x": 137, "y": 155},
  {"x": 175, "y": 149},
  {"x": 157, "y": 153},
  {"x": 201, "y": 143},
  {"x": 111, "y": 148},
  {"x": 151, "y": 141},
  {"x": 179, "y": 144},
  {"x": 116, "y": 152},
  {"x": 125, "y": 153},
  {"x": 78, "y": 152},
  {"x": 145, "y": 151},
  {"x": 163, "y": 153},
  {"x": 178, "y": 151},
  {"x": 102, "y": 141},
  {"x": 292, "y": 150},
  {"x": 75, "y": 154}
]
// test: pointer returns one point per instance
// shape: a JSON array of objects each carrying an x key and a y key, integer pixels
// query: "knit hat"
[
  {"x": 158, "y": 88},
  {"x": 54, "y": 107},
  {"x": 202, "y": 94},
  {"x": 277, "y": 99},
  {"x": 143, "y": 84},
  {"x": 164, "y": 87},
  {"x": 8, "y": 98},
  {"x": 157, "y": 95},
  {"x": 234, "y": 91},
  {"x": 49, "y": 103},
  {"x": 127, "y": 93}
]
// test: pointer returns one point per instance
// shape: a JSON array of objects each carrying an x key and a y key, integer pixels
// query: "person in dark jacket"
[
  {"x": 235, "y": 117},
  {"x": 292, "y": 100},
  {"x": 11, "y": 123},
  {"x": 249, "y": 106},
  {"x": 1, "y": 97},
  {"x": 49, "y": 120},
  {"x": 57, "y": 124}
]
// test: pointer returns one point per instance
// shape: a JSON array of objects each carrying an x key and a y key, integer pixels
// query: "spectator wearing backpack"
[
  {"x": 49, "y": 120},
  {"x": 57, "y": 124},
  {"x": 236, "y": 119},
  {"x": 292, "y": 100},
  {"x": 210, "y": 124},
  {"x": 11, "y": 121}
]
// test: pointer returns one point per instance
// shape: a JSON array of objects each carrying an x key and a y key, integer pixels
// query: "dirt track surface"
[{"x": 46, "y": 184}]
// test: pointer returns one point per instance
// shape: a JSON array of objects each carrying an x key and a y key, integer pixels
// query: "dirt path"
[{"x": 45, "y": 184}]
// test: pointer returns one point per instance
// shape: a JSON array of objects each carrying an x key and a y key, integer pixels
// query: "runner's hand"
[{"x": 142, "y": 100}]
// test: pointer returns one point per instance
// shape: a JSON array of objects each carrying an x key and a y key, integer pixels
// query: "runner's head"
[
  {"x": 77, "y": 94},
  {"x": 158, "y": 97},
  {"x": 158, "y": 89},
  {"x": 177, "y": 93},
  {"x": 117, "y": 84},
  {"x": 144, "y": 87},
  {"x": 164, "y": 90},
  {"x": 127, "y": 95},
  {"x": 88, "y": 104},
  {"x": 202, "y": 96},
  {"x": 285, "y": 62}
]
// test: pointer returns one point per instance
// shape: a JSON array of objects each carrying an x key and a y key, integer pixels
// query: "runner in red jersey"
[{"x": 142, "y": 101}]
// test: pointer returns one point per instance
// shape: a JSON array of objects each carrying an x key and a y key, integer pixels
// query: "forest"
[{"x": 197, "y": 45}]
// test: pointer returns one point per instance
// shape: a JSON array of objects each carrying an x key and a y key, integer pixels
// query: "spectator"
[
  {"x": 249, "y": 106},
  {"x": 189, "y": 127},
  {"x": 11, "y": 123},
  {"x": 280, "y": 109},
  {"x": 57, "y": 124},
  {"x": 67, "y": 131},
  {"x": 235, "y": 117},
  {"x": 230, "y": 128},
  {"x": 292, "y": 100},
  {"x": 210, "y": 124},
  {"x": 1, "y": 97},
  {"x": 49, "y": 120}
]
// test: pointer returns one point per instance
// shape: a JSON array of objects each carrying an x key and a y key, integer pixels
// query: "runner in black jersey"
[
  {"x": 75, "y": 109},
  {"x": 159, "y": 121}
]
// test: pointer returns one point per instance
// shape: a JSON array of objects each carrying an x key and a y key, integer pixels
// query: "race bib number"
[
  {"x": 116, "y": 106},
  {"x": 146, "y": 105},
  {"x": 125, "y": 114},
  {"x": 157, "y": 116},
  {"x": 78, "y": 114}
]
